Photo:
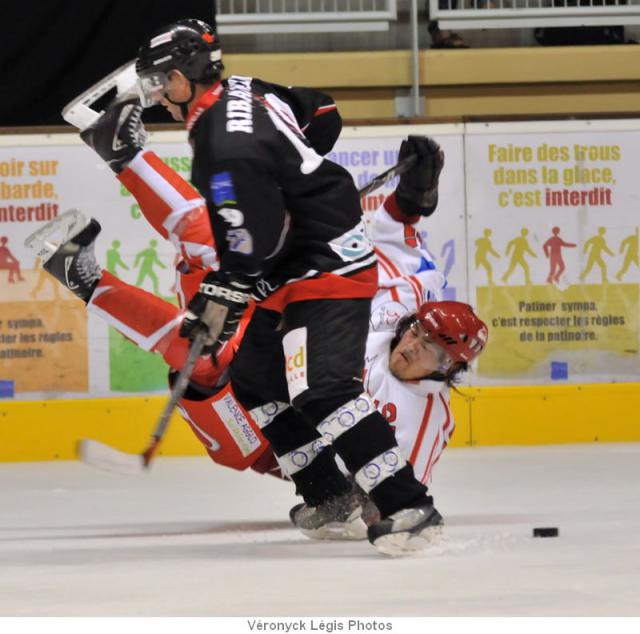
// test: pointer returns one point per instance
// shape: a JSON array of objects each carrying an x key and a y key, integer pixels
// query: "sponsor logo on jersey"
[
  {"x": 386, "y": 316},
  {"x": 222, "y": 190},
  {"x": 215, "y": 290},
  {"x": 351, "y": 245},
  {"x": 233, "y": 216},
  {"x": 240, "y": 241},
  {"x": 295, "y": 354},
  {"x": 263, "y": 289},
  {"x": 237, "y": 424},
  {"x": 239, "y": 105}
]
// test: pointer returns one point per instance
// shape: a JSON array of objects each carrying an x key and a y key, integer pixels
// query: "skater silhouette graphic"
[
  {"x": 484, "y": 248},
  {"x": 519, "y": 247},
  {"x": 9, "y": 263},
  {"x": 148, "y": 258},
  {"x": 44, "y": 277},
  {"x": 596, "y": 246},
  {"x": 553, "y": 251},
  {"x": 630, "y": 244},
  {"x": 114, "y": 259}
]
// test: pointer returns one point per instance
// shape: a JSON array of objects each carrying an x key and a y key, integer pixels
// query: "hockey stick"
[
  {"x": 399, "y": 168},
  {"x": 80, "y": 113},
  {"x": 103, "y": 456}
]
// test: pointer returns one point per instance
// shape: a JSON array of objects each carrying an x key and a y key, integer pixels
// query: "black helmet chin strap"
[{"x": 184, "y": 105}]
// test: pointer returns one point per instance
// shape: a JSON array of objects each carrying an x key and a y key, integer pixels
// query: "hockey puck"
[{"x": 546, "y": 532}]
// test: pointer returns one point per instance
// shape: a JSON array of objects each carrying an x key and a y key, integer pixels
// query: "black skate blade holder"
[
  {"x": 80, "y": 112},
  {"x": 46, "y": 240}
]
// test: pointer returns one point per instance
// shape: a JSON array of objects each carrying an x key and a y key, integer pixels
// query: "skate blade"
[
  {"x": 101, "y": 456},
  {"x": 79, "y": 113},
  {"x": 406, "y": 543},
  {"x": 46, "y": 240},
  {"x": 353, "y": 531}
]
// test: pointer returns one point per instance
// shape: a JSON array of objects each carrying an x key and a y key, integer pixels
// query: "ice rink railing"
[
  {"x": 303, "y": 16},
  {"x": 500, "y": 14}
]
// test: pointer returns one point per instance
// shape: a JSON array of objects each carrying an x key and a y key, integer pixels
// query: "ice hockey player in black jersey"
[{"x": 287, "y": 230}]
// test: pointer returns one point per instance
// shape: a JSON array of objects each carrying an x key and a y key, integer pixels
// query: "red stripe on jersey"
[
  {"x": 325, "y": 286},
  {"x": 184, "y": 188},
  {"x": 422, "y": 430},
  {"x": 427, "y": 471},
  {"x": 154, "y": 208},
  {"x": 324, "y": 109},
  {"x": 417, "y": 289},
  {"x": 394, "y": 294},
  {"x": 160, "y": 191},
  {"x": 389, "y": 263},
  {"x": 446, "y": 409},
  {"x": 383, "y": 266}
]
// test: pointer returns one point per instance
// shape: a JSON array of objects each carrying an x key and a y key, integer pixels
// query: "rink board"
[
  {"x": 484, "y": 416},
  {"x": 66, "y": 376}
]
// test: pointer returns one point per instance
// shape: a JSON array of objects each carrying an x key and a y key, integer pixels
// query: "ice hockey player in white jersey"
[{"x": 417, "y": 344}]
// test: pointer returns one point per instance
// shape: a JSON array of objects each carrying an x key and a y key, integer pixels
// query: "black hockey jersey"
[{"x": 284, "y": 219}]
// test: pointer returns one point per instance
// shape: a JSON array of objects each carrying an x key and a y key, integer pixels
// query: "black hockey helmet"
[{"x": 189, "y": 46}]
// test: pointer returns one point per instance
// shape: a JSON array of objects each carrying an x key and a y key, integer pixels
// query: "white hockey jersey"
[{"x": 419, "y": 411}]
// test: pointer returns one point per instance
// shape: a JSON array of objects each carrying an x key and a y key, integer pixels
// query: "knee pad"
[
  {"x": 379, "y": 469},
  {"x": 345, "y": 417},
  {"x": 228, "y": 432},
  {"x": 301, "y": 457},
  {"x": 370, "y": 452},
  {"x": 263, "y": 415},
  {"x": 303, "y": 438}
]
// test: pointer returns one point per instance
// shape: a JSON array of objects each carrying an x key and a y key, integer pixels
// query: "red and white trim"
[{"x": 173, "y": 207}]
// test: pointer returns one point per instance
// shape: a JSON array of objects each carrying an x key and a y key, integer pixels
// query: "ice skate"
[
  {"x": 337, "y": 518},
  {"x": 370, "y": 512},
  {"x": 406, "y": 531},
  {"x": 73, "y": 262}
]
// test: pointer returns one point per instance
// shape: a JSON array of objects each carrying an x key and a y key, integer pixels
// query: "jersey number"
[{"x": 388, "y": 410}]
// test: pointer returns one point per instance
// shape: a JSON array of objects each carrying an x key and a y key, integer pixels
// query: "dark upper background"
[{"x": 53, "y": 50}]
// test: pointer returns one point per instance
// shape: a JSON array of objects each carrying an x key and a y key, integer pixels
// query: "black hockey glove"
[
  {"x": 417, "y": 192},
  {"x": 217, "y": 308},
  {"x": 118, "y": 135}
]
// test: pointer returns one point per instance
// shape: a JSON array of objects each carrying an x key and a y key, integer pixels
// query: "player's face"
[
  {"x": 178, "y": 89},
  {"x": 416, "y": 356}
]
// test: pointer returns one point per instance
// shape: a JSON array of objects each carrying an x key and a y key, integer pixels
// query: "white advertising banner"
[
  {"x": 537, "y": 227},
  {"x": 553, "y": 240}
]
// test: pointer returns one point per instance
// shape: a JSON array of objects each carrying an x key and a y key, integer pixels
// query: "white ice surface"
[{"x": 193, "y": 539}]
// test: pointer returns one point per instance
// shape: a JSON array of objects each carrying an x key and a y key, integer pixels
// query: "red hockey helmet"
[{"x": 455, "y": 328}]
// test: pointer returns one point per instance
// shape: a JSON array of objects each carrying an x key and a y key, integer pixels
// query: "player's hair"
[{"x": 453, "y": 374}]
